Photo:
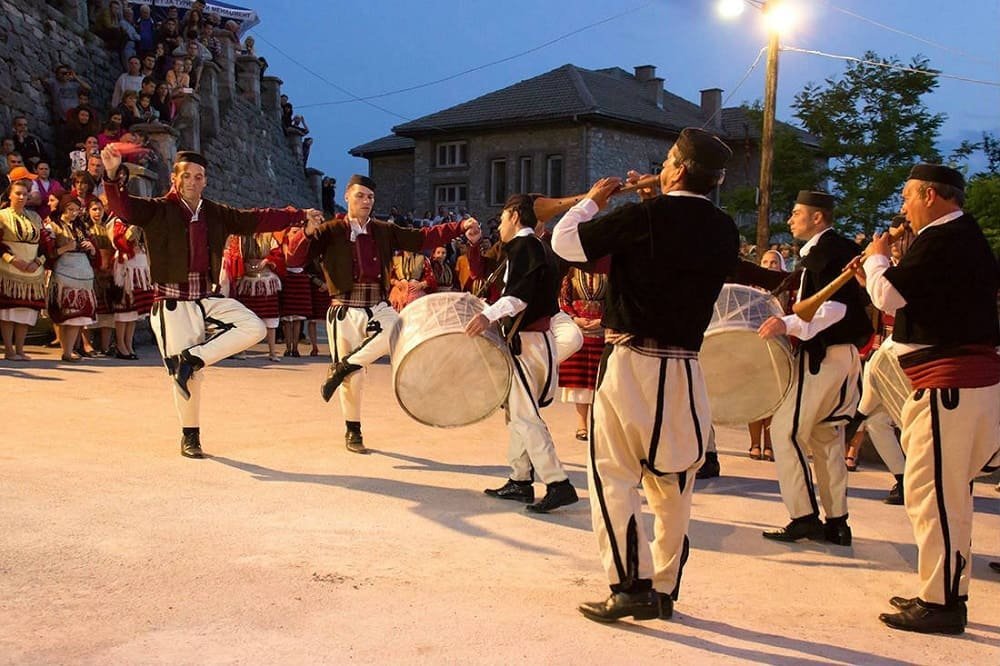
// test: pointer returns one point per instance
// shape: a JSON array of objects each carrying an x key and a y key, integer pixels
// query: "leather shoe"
[
  {"x": 710, "y": 468},
  {"x": 808, "y": 527},
  {"x": 837, "y": 531},
  {"x": 926, "y": 619},
  {"x": 906, "y": 603},
  {"x": 995, "y": 566},
  {"x": 640, "y": 605},
  {"x": 335, "y": 377},
  {"x": 187, "y": 365},
  {"x": 666, "y": 605},
  {"x": 557, "y": 494},
  {"x": 191, "y": 446},
  {"x": 895, "y": 496},
  {"x": 518, "y": 491},
  {"x": 355, "y": 442}
]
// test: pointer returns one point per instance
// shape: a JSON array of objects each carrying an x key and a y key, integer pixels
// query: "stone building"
[{"x": 556, "y": 134}]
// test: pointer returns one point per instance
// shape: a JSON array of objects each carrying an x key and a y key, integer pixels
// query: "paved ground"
[{"x": 284, "y": 548}]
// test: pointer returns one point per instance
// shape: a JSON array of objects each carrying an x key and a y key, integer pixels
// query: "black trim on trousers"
[
  {"x": 654, "y": 438},
  {"x": 685, "y": 553},
  {"x": 598, "y": 486},
  {"x": 694, "y": 410},
  {"x": 542, "y": 402},
  {"x": 806, "y": 472},
  {"x": 949, "y": 594}
]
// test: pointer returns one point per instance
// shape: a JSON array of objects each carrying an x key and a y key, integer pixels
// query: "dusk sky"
[{"x": 386, "y": 45}]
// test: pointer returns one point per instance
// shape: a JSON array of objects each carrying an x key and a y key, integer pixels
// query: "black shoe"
[
  {"x": 906, "y": 603},
  {"x": 640, "y": 605},
  {"x": 187, "y": 365},
  {"x": 191, "y": 446},
  {"x": 518, "y": 491},
  {"x": 837, "y": 531},
  {"x": 666, "y": 606},
  {"x": 895, "y": 496},
  {"x": 710, "y": 468},
  {"x": 355, "y": 442},
  {"x": 557, "y": 494},
  {"x": 926, "y": 619},
  {"x": 335, "y": 377},
  {"x": 809, "y": 527},
  {"x": 995, "y": 566}
]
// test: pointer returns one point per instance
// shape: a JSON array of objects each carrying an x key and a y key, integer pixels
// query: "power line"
[
  {"x": 889, "y": 65},
  {"x": 752, "y": 67},
  {"x": 918, "y": 38},
  {"x": 479, "y": 67}
]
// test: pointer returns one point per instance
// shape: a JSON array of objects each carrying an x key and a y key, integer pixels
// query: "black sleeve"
[{"x": 615, "y": 232}]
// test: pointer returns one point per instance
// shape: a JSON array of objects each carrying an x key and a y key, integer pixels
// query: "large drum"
[
  {"x": 441, "y": 376},
  {"x": 746, "y": 377},
  {"x": 888, "y": 381}
]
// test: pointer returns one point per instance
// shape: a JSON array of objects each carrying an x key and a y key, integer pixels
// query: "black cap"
[
  {"x": 703, "y": 147},
  {"x": 192, "y": 157},
  {"x": 358, "y": 179},
  {"x": 938, "y": 173},
  {"x": 815, "y": 199}
]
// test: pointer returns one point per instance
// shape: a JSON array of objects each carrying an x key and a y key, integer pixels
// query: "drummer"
[
  {"x": 356, "y": 257},
  {"x": 528, "y": 302},
  {"x": 825, "y": 388}
]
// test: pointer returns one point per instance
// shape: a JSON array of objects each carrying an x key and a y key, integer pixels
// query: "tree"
[
  {"x": 797, "y": 166},
  {"x": 874, "y": 126},
  {"x": 982, "y": 191}
]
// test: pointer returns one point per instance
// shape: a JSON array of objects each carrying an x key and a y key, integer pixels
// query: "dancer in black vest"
[
  {"x": 943, "y": 293},
  {"x": 827, "y": 383}
]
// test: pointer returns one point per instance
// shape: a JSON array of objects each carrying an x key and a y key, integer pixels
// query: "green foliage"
[
  {"x": 982, "y": 199},
  {"x": 874, "y": 126}
]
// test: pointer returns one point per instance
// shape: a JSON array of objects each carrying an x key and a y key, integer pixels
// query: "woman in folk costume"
[
  {"x": 582, "y": 298},
  {"x": 72, "y": 303},
  {"x": 296, "y": 304},
  {"x": 251, "y": 273},
  {"x": 133, "y": 287},
  {"x": 22, "y": 270},
  {"x": 103, "y": 279},
  {"x": 411, "y": 278},
  {"x": 444, "y": 273}
]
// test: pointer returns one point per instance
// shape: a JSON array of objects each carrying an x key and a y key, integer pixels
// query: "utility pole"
[{"x": 767, "y": 144}]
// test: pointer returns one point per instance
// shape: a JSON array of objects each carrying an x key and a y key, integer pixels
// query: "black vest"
[
  {"x": 949, "y": 278},
  {"x": 533, "y": 277}
]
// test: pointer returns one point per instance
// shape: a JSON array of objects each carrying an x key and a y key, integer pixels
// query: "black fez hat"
[
  {"x": 704, "y": 148},
  {"x": 815, "y": 199},
  {"x": 358, "y": 179},
  {"x": 192, "y": 157},
  {"x": 938, "y": 173}
]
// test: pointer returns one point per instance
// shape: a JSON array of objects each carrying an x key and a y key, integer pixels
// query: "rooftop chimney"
[
  {"x": 711, "y": 107},
  {"x": 644, "y": 73}
]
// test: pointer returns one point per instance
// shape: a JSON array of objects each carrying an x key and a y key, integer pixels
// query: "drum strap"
[{"x": 494, "y": 276}]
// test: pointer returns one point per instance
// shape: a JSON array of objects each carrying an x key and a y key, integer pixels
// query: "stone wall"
[
  {"x": 393, "y": 174},
  {"x": 251, "y": 160}
]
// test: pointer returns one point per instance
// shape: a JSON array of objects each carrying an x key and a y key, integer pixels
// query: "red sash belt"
[{"x": 967, "y": 366}]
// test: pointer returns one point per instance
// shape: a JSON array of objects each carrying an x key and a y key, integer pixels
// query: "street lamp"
[{"x": 778, "y": 17}]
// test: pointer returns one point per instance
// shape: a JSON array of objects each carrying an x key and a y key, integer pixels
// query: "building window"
[
  {"x": 554, "y": 175},
  {"x": 451, "y": 195},
  {"x": 453, "y": 154},
  {"x": 525, "y": 176},
  {"x": 498, "y": 182}
]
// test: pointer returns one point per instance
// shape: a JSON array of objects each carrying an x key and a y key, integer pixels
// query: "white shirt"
[
  {"x": 357, "y": 229},
  {"x": 508, "y": 306},
  {"x": 826, "y": 316}
]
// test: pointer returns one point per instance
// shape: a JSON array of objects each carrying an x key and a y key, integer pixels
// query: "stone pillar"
[
  {"x": 315, "y": 179},
  {"x": 294, "y": 138},
  {"x": 187, "y": 122},
  {"x": 163, "y": 139},
  {"x": 248, "y": 79},
  {"x": 270, "y": 96},
  {"x": 227, "y": 66},
  {"x": 208, "y": 90},
  {"x": 142, "y": 182}
]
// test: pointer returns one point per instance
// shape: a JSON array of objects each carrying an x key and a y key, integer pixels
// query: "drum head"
[
  {"x": 746, "y": 377},
  {"x": 452, "y": 380}
]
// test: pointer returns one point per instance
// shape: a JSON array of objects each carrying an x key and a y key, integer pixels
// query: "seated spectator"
[
  {"x": 83, "y": 102},
  {"x": 131, "y": 43},
  {"x": 146, "y": 28},
  {"x": 163, "y": 103},
  {"x": 234, "y": 28},
  {"x": 192, "y": 22},
  {"x": 30, "y": 146},
  {"x": 197, "y": 54},
  {"x": 6, "y": 148},
  {"x": 78, "y": 158},
  {"x": 163, "y": 63},
  {"x": 78, "y": 129},
  {"x": 178, "y": 77},
  {"x": 95, "y": 169},
  {"x": 209, "y": 41},
  {"x": 42, "y": 188},
  {"x": 65, "y": 89},
  {"x": 148, "y": 70},
  {"x": 147, "y": 114},
  {"x": 169, "y": 35},
  {"x": 108, "y": 26},
  {"x": 130, "y": 80},
  {"x": 112, "y": 129},
  {"x": 214, "y": 19},
  {"x": 129, "y": 108}
]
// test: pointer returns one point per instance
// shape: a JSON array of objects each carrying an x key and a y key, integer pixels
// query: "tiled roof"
[{"x": 387, "y": 144}]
